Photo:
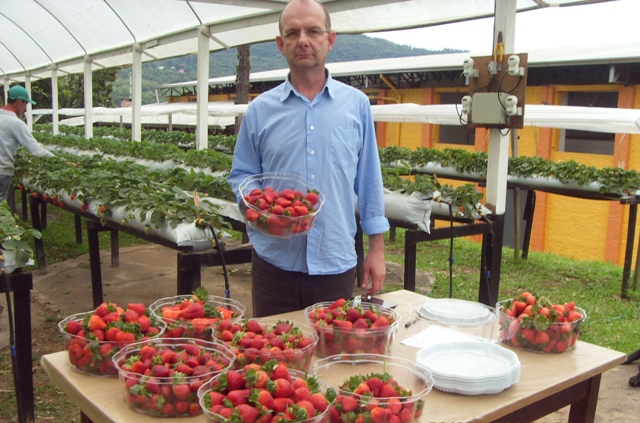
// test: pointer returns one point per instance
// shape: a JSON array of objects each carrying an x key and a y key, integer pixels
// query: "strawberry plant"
[{"x": 14, "y": 236}]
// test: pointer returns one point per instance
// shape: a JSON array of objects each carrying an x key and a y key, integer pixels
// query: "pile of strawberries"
[
  {"x": 92, "y": 338},
  {"x": 280, "y": 214},
  {"x": 162, "y": 377},
  {"x": 375, "y": 398},
  {"x": 193, "y": 316},
  {"x": 271, "y": 393},
  {"x": 535, "y": 323},
  {"x": 259, "y": 341},
  {"x": 343, "y": 327}
]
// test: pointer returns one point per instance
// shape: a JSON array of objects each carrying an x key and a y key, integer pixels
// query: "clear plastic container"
[
  {"x": 173, "y": 395},
  {"x": 269, "y": 343},
  {"x": 334, "y": 339},
  {"x": 212, "y": 413},
  {"x": 90, "y": 356},
  {"x": 194, "y": 328},
  {"x": 260, "y": 213},
  {"x": 413, "y": 383},
  {"x": 556, "y": 337}
]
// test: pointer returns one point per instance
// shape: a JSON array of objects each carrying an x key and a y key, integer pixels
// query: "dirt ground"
[{"x": 148, "y": 272}]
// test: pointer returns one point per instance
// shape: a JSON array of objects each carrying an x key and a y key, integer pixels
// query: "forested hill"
[{"x": 264, "y": 56}]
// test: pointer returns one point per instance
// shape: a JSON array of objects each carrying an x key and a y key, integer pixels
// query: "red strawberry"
[
  {"x": 96, "y": 322},
  {"x": 247, "y": 413},
  {"x": 319, "y": 402},
  {"x": 73, "y": 327},
  {"x": 301, "y": 210},
  {"x": 280, "y": 404},
  {"x": 261, "y": 396},
  {"x": 307, "y": 407},
  {"x": 181, "y": 391},
  {"x": 139, "y": 308},
  {"x": 234, "y": 380},
  {"x": 312, "y": 197},
  {"x": 240, "y": 396},
  {"x": 281, "y": 388},
  {"x": 349, "y": 404},
  {"x": 251, "y": 215}
]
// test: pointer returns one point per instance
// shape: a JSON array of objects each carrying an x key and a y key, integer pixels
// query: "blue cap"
[{"x": 17, "y": 92}]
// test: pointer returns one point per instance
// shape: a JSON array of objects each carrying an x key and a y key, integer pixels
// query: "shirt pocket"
[{"x": 344, "y": 146}]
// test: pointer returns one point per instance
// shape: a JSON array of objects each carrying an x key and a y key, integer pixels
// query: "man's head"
[
  {"x": 18, "y": 92},
  {"x": 305, "y": 35}
]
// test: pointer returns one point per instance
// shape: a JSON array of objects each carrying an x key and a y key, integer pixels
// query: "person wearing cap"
[{"x": 14, "y": 132}]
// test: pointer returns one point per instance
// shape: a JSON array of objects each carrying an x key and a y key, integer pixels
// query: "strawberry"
[
  {"x": 193, "y": 311},
  {"x": 139, "y": 308},
  {"x": 261, "y": 396},
  {"x": 378, "y": 415},
  {"x": 312, "y": 197},
  {"x": 283, "y": 327},
  {"x": 251, "y": 215},
  {"x": 95, "y": 322},
  {"x": 240, "y": 396},
  {"x": 84, "y": 208},
  {"x": 181, "y": 390},
  {"x": 73, "y": 327},
  {"x": 280, "y": 388},
  {"x": 246, "y": 413},
  {"x": 280, "y": 405},
  {"x": 348, "y": 404},
  {"x": 319, "y": 402},
  {"x": 301, "y": 210}
]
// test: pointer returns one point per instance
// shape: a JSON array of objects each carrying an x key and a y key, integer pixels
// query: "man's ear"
[
  {"x": 332, "y": 39},
  {"x": 280, "y": 44}
]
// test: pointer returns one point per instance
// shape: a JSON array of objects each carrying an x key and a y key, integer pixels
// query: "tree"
[
  {"x": 71, "y": 90},
  {"x": 242, "y": 79}
]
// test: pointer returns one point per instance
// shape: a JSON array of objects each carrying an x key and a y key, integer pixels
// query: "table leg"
[{"x": 585, "y": 409}]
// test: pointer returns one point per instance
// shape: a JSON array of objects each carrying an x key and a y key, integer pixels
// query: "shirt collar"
[{"x": 329, "y": 87}]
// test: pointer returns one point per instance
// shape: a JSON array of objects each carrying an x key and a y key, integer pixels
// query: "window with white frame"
[{"x": 575, "y": 141}]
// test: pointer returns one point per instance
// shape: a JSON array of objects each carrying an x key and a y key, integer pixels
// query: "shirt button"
[
  {"x": 312, "y": 127},
  {"x": 313, "y": 152},
  {"x": 313, "y": 176}
]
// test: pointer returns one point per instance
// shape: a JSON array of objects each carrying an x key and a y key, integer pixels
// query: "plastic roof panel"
[{"x": 38, "y": 34}]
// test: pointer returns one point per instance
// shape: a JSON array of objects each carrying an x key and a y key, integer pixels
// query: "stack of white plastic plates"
[
  {"x": 453, "y": 312},
  {"x": 470, "y": 368}
]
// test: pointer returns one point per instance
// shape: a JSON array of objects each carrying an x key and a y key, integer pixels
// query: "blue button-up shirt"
[{"x": 330, "y": 142}]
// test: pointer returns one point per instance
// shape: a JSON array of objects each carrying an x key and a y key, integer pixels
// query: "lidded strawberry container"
[
  {"x": 344, "y": 327},
  {"x": 195, "y": 315},
  {"x": 279, "y": 204}
]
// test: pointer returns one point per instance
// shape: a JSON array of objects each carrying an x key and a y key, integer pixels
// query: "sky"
[{"x": 601, "y": 23}]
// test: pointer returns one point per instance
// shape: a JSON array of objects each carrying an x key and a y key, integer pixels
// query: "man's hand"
[{"x": 374, "y": 266}]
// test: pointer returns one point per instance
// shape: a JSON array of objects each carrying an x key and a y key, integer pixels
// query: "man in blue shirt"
[{"x": 323, "y": 131}]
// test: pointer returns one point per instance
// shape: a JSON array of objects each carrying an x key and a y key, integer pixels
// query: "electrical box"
[
  {"x": 499, "y": 77},
  {"x": 489, "y": 109}
]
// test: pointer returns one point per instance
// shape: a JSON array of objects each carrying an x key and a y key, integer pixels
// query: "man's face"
[
  {"x": 304, "y": 41},
  {"x": 21, "y": 107}
]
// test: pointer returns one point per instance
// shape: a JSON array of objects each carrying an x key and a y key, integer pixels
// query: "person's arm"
[
  {"x": 374, "y": 266},
  {"x": 30, "y": 143}
]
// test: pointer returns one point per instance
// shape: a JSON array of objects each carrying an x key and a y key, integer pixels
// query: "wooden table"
[{"x": 547, "y": 383}]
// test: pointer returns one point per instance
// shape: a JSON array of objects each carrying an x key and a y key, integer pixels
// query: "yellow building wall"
[{"x": 568, "y": 226}]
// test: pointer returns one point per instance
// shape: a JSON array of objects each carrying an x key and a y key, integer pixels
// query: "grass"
[{"x": 612, "y": 322}]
